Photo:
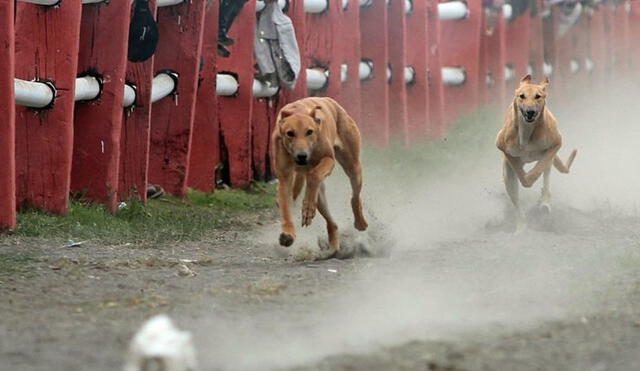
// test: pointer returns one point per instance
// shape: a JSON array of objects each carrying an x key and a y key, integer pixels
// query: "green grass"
[
  {"x": 164, "y": 220},
  {"x": 472, "y": 137}
]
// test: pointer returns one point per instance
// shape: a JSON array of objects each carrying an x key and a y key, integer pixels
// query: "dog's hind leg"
[
  {"x": 298, "y": 184},
  {"x": 353, "y": 169},
  {"x": 564, "y": 168},
  {"x": 332, "y": 227},
  {"x": 511, "y": 184}
]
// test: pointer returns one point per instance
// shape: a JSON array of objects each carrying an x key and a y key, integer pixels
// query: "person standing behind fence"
[{"x": 229, "y": 10}]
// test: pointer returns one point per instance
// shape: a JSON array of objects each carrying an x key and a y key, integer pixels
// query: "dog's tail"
[{"x": 564, "y": 167}]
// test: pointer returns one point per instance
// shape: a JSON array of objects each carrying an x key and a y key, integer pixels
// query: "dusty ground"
[{"x": 448, "y": 289}]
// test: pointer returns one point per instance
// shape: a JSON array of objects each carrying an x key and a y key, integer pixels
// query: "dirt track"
[{"x": 450, "y": 290}]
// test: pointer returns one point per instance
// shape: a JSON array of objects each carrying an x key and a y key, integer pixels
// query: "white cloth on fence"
[{"x": 276, "y": 48}]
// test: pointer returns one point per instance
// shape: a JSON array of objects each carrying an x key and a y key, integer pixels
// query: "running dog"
[
  {"x": 530, "y": 133},
  {"x": 311, "y": 134}
]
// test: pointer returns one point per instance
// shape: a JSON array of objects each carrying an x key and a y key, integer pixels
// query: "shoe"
[{"x": 223, "y": 52}]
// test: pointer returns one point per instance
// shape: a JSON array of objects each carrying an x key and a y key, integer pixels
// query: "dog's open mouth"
[
  {"x": 301, "y": 162},
  {"x": 529, "y": 118}
]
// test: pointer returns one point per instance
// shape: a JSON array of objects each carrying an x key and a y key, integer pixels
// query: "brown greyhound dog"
[
  {"x": 530, "y": 133},
  {"x": 310, "y": 135}
]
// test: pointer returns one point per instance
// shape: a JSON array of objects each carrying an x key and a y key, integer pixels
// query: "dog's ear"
[
  {"x": 284, "y": 114},
  {"x": 526, "y": 79},
  {"x": 545, "y": 83},
  {"x": 315, "y": 114}
]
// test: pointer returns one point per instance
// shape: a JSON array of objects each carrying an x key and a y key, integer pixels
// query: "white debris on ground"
[{"x": 159, "y": 345}]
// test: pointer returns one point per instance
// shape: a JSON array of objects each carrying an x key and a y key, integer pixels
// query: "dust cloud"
[{"x": 445, "y": 275}]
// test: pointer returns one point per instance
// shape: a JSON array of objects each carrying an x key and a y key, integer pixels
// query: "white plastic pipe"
[
  {"x": 453, "y": 75},
  {"x": 574, "y": 66},
  {"x": 344, "y": 72},
  {"x": 41, "y": 2},
  {"x": 33, "y": 93},
  {"x": 226, "y": 85},
  {"x": 588, "y": 64},
  {"x": 453, "y": 10},
  {"x": 129, "y": 96},
  {"x": 87, "y": 88},
  {"x": 547, "y": 69},
  {"x": 260, "y": 5},
  {"x": 92, "y": 1},
  {"x": 345, "y": 4},
  {"x": 529, "y": 69},
  {"x": 365, "y": 70},
  {"x": 509, "y": 73},
  {"x": 162, "y": 3},
  {"x": 317, "y": 78},
  {"x": 409, "y": 75},
  {"x": 315, "y": 6},
  {"x": 507, "y": 11},
  {"x": 408, "y": 6},
  {"x": 263, "y": 90},
  {"x": 388, "y": 73},
  {"x": 364, "y": 3},
  {"x": 161, "y": 86}
]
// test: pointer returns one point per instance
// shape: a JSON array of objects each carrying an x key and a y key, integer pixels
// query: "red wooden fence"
[{"x": 382, "y": 60}]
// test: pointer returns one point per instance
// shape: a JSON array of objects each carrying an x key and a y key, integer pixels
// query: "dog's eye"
[
  {"x": 309, "y": 132},
  {"x": 538, "y": 96},
  {"x": 291, "y": 134},
  {"x": 522, "y": 96}
]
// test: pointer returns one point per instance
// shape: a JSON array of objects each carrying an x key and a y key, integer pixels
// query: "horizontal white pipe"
[
  {"x": 161, "y": 86},
  {"x": 509, "y": 73},
  {"x": 409, "y": 75},
  {"x": 315, "y": 6},
  {"x": 364, "y": 3},
  {"x": 129, "y": 96},
  {"x": 408, "y": 6},
  {"x": 453, "y": 75},
  {"x": 529, "y": 69},
  {"x": 261, "y": 5},
  {"x": 388, "y": 72},
  {"x": 226, "y": 85},
  {"x": 263, "y": 90},
  {"x": 344, "y": 72},
  {"x": 452, "y": 10},
  {"x": 507, "y": 11},
  {"x": 588, "y": 64},
  {"x": 92, "y": 1},
  {"x": 41, "y": 2},
  {"x": 365, "y": 70},
  {"x": 162, "y": 3},
  {"x": 345, "y": 4},
  {"x": 316, "y": 78},
  {"x": 574, "y": 66},
  {"x": 33, "y": 93},
  {"x": 87, "y": 88},
  {"x": 547, "y": 69}
]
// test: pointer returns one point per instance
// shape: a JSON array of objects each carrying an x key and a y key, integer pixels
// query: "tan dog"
[
  {"x": 530, "y": 133},
  {"x": 310, "y": 135}
]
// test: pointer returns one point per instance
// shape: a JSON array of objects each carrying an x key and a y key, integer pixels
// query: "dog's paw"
[
  {"x": 545, "y": 208},
  {"x": 361, "y": 224},
  {"x": 308, "y": 213},
  {"x": 286, "y": 239}
]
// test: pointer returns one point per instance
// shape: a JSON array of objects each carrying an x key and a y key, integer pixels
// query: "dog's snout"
[
  {"x": 531, "y": 113},
  {"x": 302, "y": 157}
]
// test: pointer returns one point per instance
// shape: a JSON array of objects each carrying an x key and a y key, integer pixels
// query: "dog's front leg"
[
  {"x": 315, "y": 177},
  {"x": 288, "y": 234}
]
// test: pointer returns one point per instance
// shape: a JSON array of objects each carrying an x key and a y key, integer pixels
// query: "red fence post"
[
  {"x": 235, "y": 113},
  {"x": 620, "y": 40},
  {"x": 323, "y": 47},
  {"x": 179, "y": 48},
  {"x": 103, "y": 53},
  {"x": 350, "y": 35},
  {"x": 598, "y": 47},
  {"x": 136, "y": 128},
  {"x": 397, "y": 61},
  {"x": 416, "y": 59},
  {"x": 205, "y": 142},
  {"x": 517, "y": 52},
  {"x": 460, "y": 47},
  {"x": 493, "y": 91},
  {"x": 46, "y": 48},
  {"x": 634, "y": 34},
  {"x": 437, "y": 126},
  {"x": 7, "y": 124},
  {"x": 536, "y": 44},
  {"x": 375, "y": 90}
]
